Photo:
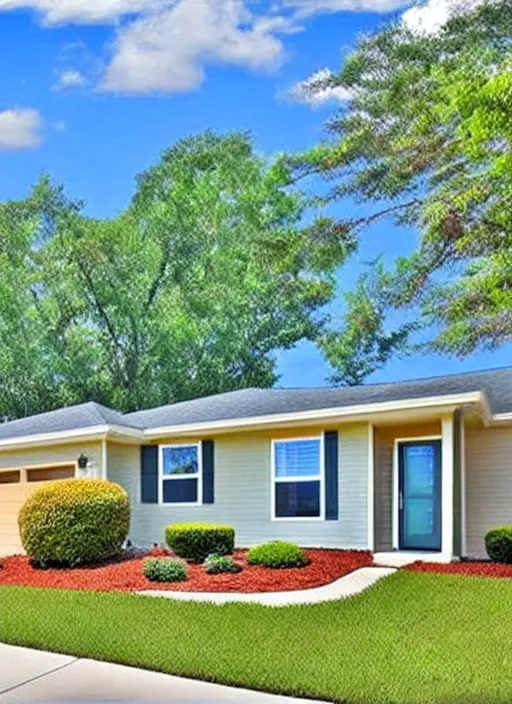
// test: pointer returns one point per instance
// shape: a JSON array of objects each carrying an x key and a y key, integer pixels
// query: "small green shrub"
[
  {"x": 277, "y": 555},
  {"x": 216, "y": 564},
  {"x": 195, "y": 541},
  {"x": 498, "y": 543},
  {"x": 74, "y": 521},
  {"x": 164, "y": 570}
]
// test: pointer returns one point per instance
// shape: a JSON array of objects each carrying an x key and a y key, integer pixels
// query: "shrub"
[
  {"x": 277, "y": 555},
  {"x": 216, "y": 564},
  {"x": 195, "y": 541},
  {"x": 498, "y": 543},
  {"x": 165, "y": 570},
  {"x": 74, "y": 521}
]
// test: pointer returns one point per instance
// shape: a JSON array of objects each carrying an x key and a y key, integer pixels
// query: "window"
[
  {"x": 298, "y": 478},
  {"x": 10, "y": 477},
  {"x": 50, "y": 474},
  {"x": 181, "y": 474}
]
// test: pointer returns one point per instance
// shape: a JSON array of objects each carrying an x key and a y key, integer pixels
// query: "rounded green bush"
[
  {"x": 74, "y": 521},
  {"x": 164, "y": 570},
  {"x": 498, "y": 543},
  {"x": 195, "y": 541},
  {"x": 218, "y": 564},
  {"x": 277, "y": 555}
]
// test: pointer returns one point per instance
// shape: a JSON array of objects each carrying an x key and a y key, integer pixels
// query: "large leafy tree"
[
  {"x": 426, "y": 141},
  {"x": 188, "y": 292}
]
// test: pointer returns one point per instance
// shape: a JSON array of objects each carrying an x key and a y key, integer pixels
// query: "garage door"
[{"x": 15, "y": 486}]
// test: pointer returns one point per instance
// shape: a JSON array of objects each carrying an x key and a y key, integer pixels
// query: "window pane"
[
  {"x": 10, "y": 477},
  {"x": 419, "y": 475},
  {"x": 49, "y": 474},
  {"x": 419, "y": 517},
  {"x": 297, "y": 499},
  {"x": 181, "y": 460},
  {"x": 298, "y": 459},
  {"x": 180, "y": 491}
]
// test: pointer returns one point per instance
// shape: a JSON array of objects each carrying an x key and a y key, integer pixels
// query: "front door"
[{"x": 419, "y": 465}]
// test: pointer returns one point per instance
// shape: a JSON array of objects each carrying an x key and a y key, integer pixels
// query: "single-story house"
[{"x": 420, "y": 465}]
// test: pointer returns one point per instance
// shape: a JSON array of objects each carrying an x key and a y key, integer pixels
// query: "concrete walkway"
[
  {"x": 350, "y": 584},
  {"x": 30, "y": 676}
]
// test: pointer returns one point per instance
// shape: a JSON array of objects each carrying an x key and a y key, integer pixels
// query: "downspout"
[{"x": 104, "y": 458}]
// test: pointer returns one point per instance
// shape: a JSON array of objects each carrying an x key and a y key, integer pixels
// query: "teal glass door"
[{"x": 420, "y": 495}]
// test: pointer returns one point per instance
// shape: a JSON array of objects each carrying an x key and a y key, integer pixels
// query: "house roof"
[
  {"x": 247, "y": 403},
  {"x": 85, "y": 415},
  {"x": 497, "y": 384}
]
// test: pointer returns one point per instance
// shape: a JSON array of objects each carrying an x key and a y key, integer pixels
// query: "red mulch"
[
  {"x": 468, "y": 569},
  {"x": 126, "y": 575}
]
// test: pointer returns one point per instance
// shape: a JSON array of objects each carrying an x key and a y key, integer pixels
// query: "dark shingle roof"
[
  {"x": 86, "y": 415},
  {"x": 258, "y": 402},
  {"x": 247, "y": 403}
]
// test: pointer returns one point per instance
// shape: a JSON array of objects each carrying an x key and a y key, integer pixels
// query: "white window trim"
[
  {"x": 164, "y": 478},
  {"x": 274, "y": 480}
]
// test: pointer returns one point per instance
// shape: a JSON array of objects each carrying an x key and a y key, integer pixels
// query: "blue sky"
[{"x": 93, "y": 91}]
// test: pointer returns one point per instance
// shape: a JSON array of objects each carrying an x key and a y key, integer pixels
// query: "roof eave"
[
  {"x": 442, "y": 404},
  {"x": 60, "y": 437},
  {"x": 363, "y": 412}
]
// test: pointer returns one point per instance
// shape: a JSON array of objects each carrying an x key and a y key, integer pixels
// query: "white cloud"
[
  {"x": 429, "y": 17},
  {"x": 69, "y": 78},
  {"x": 167, "y": 51},
  {"x": 83, "y": 11},
  {"x": 166, "y": 45},
  {"x": 20, "y": 129},
  {"x": 319, "y": 89},
  {"x": 307, "y": 8}
]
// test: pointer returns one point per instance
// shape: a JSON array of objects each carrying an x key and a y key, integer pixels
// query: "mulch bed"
[
  {"x": 466, "y": 568},
  {"x": 126, "y": 575}
]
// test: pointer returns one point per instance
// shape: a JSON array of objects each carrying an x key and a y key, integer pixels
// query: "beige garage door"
[{"x": 15, "y": 486}]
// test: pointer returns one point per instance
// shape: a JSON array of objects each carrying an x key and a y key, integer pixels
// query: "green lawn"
[{"x": 411, "y": 638}]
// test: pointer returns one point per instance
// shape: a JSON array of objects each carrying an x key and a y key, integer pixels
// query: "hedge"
[
  {"x": 164, "y": 570},
  {"x": 277, "y": 555},
  {"x": 195, "y": 541},
  {"x": 498, "y": 543},
  {"x": 74, "y": 522}
]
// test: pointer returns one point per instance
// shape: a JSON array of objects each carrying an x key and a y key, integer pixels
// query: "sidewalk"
[
  {"x": 349, "y": 585},
  {"x": 29, "y": 676}
]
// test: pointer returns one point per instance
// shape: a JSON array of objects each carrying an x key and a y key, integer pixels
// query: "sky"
[{"x": 92, "y": 91}]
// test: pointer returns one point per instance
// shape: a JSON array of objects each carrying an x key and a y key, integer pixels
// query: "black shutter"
[
  {"x": 149, "y": 474},
  {"x": 331, "y": 475},
  {"x": 208, "y": 472}
]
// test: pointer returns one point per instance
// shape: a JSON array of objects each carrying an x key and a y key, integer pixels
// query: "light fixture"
[{"x": 83, "y": 461}]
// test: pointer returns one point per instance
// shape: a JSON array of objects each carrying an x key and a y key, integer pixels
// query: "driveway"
[{"x": 28, "y": 676}]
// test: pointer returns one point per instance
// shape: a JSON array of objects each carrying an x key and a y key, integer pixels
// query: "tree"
[
  {"x": 188, "y": 292},
  {"x": 427, "y": 138},
  {"x": 363, "y": 345}
]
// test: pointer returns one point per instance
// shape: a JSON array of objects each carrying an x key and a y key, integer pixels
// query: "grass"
[{"x": 412, "y": 638}]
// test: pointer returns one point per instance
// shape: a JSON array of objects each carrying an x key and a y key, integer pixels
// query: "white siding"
[
  {"x": 242, "y": 494},
  {"x": 488, "y": 484}
]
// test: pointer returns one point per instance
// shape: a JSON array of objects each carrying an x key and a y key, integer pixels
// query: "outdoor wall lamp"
[{"x": 83, "y": 461}]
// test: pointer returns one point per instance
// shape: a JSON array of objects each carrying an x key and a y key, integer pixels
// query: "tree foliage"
[
  {"x": 189, "y": 291},
  {"x": 427, "y": 139},
  {"x": 362, "y": 344}
]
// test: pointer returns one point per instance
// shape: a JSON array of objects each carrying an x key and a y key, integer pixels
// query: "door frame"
[{"x": 396, "y": 484}]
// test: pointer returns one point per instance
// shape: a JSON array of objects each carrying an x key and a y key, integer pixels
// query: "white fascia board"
[
  {"x": 97, "y": 432},
  {"x": 501, "y": 419},
  {"x": 343, "y": 414},
  {"x": 121, "y": 431}
]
